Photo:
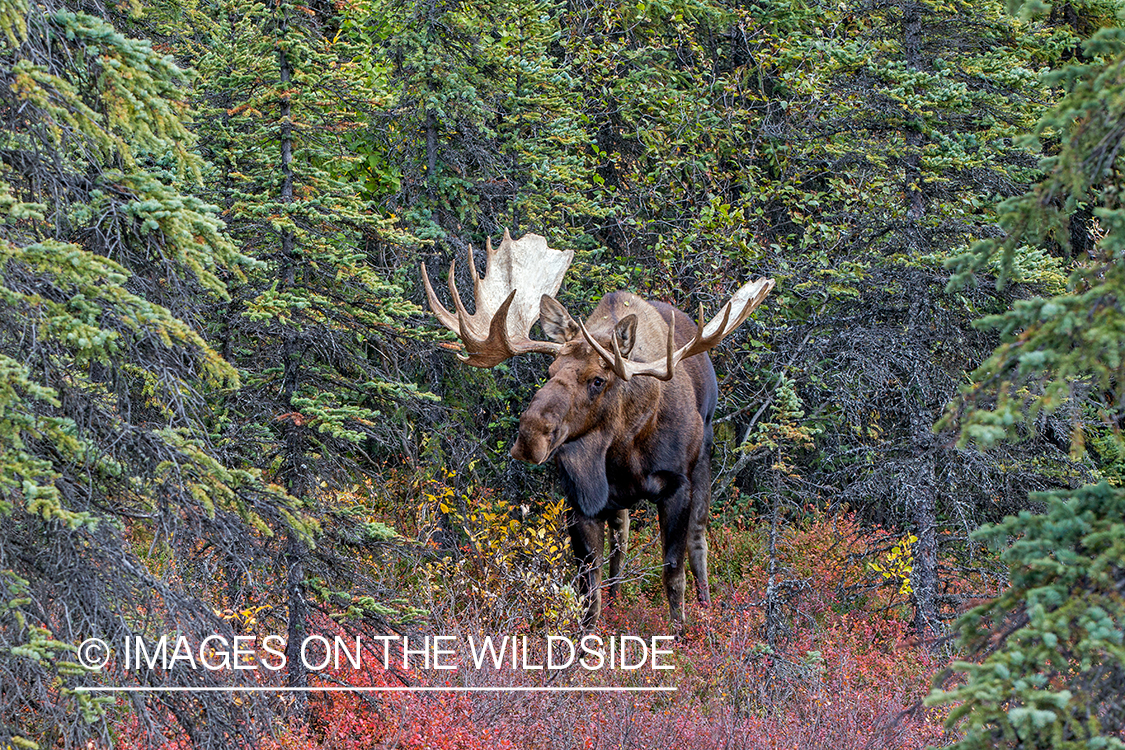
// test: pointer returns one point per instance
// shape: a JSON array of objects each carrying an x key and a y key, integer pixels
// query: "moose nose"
[
  {"x": 536, "y": 438},
  {"x": 523, "y": 450}
]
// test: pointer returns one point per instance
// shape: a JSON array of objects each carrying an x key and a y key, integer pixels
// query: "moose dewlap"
[{"x": 626, "y": 414}]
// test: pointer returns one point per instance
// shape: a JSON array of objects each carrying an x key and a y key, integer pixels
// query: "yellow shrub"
[{"x": 512, "y": 571}]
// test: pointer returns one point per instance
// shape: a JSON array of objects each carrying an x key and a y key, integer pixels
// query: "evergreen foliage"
[
  {"x": 483, "y": 132},
  {"x": 882, "y": 140},
  {"x": 313, "y": 328},
  {"x": 1052, "y": 644},
  {"x": 1063, "y": 349},
  {"x": 309, "y": 325},
  {"x": 108, "y": 261},
  {"x": 1054, "y": 640}
]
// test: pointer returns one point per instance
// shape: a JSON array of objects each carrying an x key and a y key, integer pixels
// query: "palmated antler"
[
  {"x": 518, "y": 273},
  {"x": 706, "y": 337}
]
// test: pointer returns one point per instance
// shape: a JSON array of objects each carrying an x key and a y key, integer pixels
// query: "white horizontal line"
[{"x": 387, "y": 689}]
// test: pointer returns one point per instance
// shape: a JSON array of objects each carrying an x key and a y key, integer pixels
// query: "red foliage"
[{"x": 843, "y": 676}]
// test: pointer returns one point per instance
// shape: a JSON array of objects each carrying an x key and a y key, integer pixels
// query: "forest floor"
[{"x": 845, "y": 669}]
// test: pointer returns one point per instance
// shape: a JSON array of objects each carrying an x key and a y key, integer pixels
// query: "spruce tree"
[
  {"x": 485, "y": 131},
  {"x": 314, "y": 330},
  {"x": 112, "y": 494},
  {"x": 1053, "y": 643},
  {"x": 1051, "y": 648}
]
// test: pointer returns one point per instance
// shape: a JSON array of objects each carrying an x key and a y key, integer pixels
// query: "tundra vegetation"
[{"x": 224, "y": 409}]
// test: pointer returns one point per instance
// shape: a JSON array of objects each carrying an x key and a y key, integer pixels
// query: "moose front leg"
[{"x": 587, "y": 539}]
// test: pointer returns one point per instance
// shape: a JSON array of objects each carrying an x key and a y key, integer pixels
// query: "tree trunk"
[
  {"x": 774, "y": 626},
  {"x": 923, "y": 578},
  {"x": 912, "y": 49},
  {"x": 920, "y": 485},
  {"x": 296, "y": 676}
]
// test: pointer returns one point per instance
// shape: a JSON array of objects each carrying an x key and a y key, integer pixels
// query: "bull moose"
[{"x": 627, "y": 411}]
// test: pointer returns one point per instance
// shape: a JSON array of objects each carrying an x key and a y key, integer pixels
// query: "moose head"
[{"x": 626, "y": 414}]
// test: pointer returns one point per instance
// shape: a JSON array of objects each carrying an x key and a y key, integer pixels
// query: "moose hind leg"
[
  {"x": 698, "y": 522},
  {"x": 587, "y": 539},
  {"x": 618, "y": 548},
  {"x": 674, "y": 517}
]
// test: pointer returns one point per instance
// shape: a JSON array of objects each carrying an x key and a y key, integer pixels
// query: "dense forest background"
[{"x": 224, "y": 409}]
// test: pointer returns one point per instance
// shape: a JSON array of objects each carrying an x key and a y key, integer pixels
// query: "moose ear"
[
  {"x": 556, "y": 321},
  {"x": 626, "y": 332}
]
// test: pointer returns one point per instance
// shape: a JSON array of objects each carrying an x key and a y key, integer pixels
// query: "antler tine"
[
  {"x": 448, "y": 319},
  {"x": 703, "y": 335},
  {"x": 702, "y": 339},
  {"x": 699, "y": 342},
  {"x": 614, "y": 360},
  {"x": 477, "y": 280},
  {"x": 463, "y": 329},
  {"x": 759, "y": 290},
  {"x": 618, "y": 360},
  {"x": 626, "y": 369},
  {"x": 671, "y": 366},
  {"x": 498, "y": 331},
  {"x": 473, "y": 270}
]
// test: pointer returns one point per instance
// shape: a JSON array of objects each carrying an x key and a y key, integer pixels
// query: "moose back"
[{"x": 626, "y": 414}]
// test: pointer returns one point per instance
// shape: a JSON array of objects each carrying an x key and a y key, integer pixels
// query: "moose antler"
[
  {"x": 706, "y": 337},
  {"x": 518, "y": 273}
]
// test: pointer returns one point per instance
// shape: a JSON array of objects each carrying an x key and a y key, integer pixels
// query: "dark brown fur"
[{"x": 617, "y": 443}]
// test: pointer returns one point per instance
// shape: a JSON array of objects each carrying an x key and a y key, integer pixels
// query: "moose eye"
[{"x": 597, "y": 383}]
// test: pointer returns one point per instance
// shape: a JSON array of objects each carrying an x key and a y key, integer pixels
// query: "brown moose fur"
[{"x": 619, "y": 442}]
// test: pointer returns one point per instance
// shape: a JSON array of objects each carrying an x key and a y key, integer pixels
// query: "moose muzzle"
[{"x": 542, "y": 429}]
